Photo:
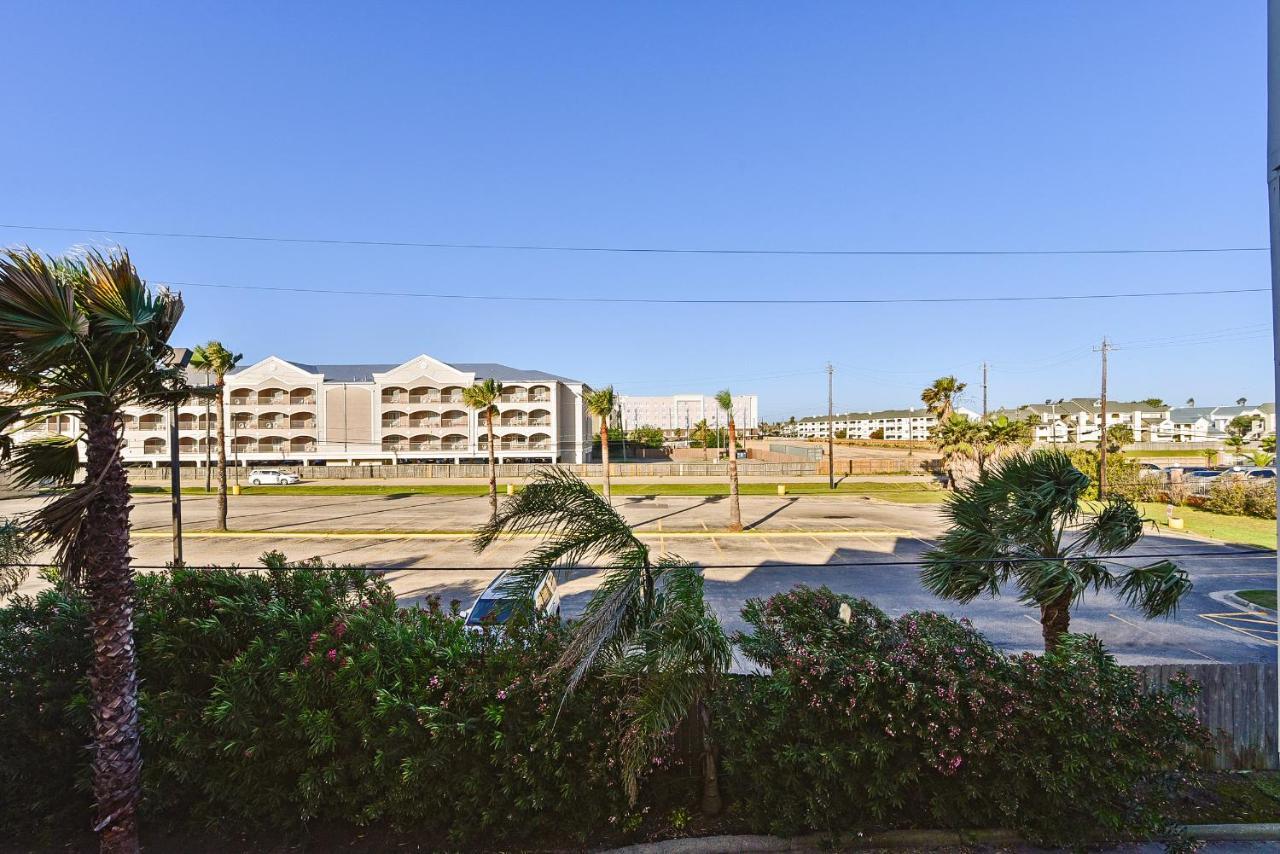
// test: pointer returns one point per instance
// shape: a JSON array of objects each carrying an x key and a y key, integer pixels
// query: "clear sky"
[{"x": 744, "y": 125}]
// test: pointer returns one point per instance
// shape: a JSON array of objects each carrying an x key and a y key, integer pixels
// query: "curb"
[
  {"x": 1236, "y": 602},
  {"x": 908, "y": 839}
]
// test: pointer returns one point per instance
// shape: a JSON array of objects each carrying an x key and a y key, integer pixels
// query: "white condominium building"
[
  {"x": 280, "y": 411},
  {"x": 679, "y": 414},
  {"x": 887, "y": 424}
]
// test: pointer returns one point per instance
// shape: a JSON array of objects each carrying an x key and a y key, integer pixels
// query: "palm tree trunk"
[
  {"x": 711, "y": 801},
  {"x": 604, "y": 457},
  {"x": 222, "y": 456},
  {"x": 735, "y": 511},
  {"x": 208, "y": 451},
  {"x": 493, "y": 468},
  {"x": 113, "y": 677},
  {"x": 1055, "y": 621}
]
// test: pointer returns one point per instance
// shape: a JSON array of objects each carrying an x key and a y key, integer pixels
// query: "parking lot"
[{"x": 854, "y": 545}]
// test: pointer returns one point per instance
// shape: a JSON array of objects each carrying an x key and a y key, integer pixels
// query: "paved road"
[{"x": 811, "y": 539}]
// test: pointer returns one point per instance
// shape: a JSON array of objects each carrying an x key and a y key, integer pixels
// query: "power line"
[
  {"x": 710, "y": 301},
  {"x": 1244, "y": 553},
  {"x": 646, "y": 250}
]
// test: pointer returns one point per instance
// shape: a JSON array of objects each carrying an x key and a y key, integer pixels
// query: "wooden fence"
[
  {"x": 1238, "y": 703},
  {"x": 514, "y": 471}
]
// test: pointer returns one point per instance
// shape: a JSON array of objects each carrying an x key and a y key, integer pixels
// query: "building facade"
[
  {"x": 281, "y": 412},
  {"x": 904, "y": 425},
  {"x": 678, "y": 414},
  {"x": 1079, "y": 419}
]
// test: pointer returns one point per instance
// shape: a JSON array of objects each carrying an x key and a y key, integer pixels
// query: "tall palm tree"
[
  {"x": 647, "y": 624},
  {"x": 957, "y": 439},
  {"x": 725, "y": 401},
  {"x": 483, "y": 398},
  {"x": 702, "y": 432},
  {"x": 85, "y": 337},
  {"x": 200, "y": 362},
  {"x": 602, "y": 403},
  {"x": 215, "y": 359},
  {"x": 1236, "y": 443},
  {"x": 1021, "y": 521},
  {"x": 999, "y": 436},
  {"x": 939, "y": 398}
]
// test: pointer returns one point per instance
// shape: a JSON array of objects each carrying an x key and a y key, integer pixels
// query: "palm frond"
[
  {"x": 610, "y": 616},
  {"x": 1114, "y": 528},
  {"x": 601, "y": 402},
  {"x": 1154, "y": 589},
  {"x": 576, "y": 523},
  {"x": 38, "y": 311},
  {"x": 53, "y": 459}
]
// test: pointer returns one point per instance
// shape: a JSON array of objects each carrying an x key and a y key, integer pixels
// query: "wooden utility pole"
[
  {"x": 831, "y": 432},
  {"x": 984, "y": 391},
  {"x": 1102, "y": 439}
]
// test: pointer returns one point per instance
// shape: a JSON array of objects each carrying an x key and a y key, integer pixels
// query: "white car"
[
  {"x": 272, "y": 477},
  {"x": 494, "y": 606}
]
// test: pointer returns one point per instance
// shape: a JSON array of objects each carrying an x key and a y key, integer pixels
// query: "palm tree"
[
  {"x": 1191, "y": 401},
  {"x": 85, "y": 337},
  {"x": 1118, "y": 435},
  {"x": 999, "y": 436},
  {"x": 1021, "y": 520},
  {"x": 602, "y": 403},
  {"x": 939, "y": 398},
  {"x": 957, "y": 439},
  {"x": 702, "y": 431},
  {"x": 647, "y": 624},
  {"x": 1269, "y": 443},
  {"x": 215, "y": 359},
  {"x": 725, "y": 401},
  {"x": 483, "y": 398},
  {"x": 1236, "y": 443}
]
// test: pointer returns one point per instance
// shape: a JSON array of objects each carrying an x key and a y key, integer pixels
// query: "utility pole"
[
  {"x": 1273, "y": 182},
  {"x": 984, "y": 391},
  {"x": 831, "y": 432},
  {"x": 1102, "y": 439}
]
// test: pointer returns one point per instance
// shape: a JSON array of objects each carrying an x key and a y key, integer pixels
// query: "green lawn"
[
  {"x": 906, "y": 493},
  {"x": 1244, "y": 530},
  {"x": 1264, "y": 598}
]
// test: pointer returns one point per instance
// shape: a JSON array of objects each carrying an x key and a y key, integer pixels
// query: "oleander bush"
[
  {"x": 300, "y": 696},
  {"x": 277, "y": 698},
  {"x": 1239, "y": 496},
  {"x": 869, "y": 722}
]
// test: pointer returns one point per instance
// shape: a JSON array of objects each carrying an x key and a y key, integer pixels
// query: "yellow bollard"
[
  {"x": 511, "y": 489},
  {"x": 1176, "y": 524},
  {"x": 782, "y": 489},
  {"x": 235, "y": 489}
]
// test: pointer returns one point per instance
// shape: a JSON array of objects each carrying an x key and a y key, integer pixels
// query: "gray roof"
[{"x": 363, "y": 373}]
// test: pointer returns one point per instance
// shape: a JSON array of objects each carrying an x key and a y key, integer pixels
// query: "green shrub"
[
  {"x": 918, "y": 721},
  {"x": 1124, "y": 476},
  {"x": 277, "y": 698}
]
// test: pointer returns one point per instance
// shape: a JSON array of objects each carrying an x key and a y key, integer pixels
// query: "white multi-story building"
[
  {"x": 280, "y": 411},
  {"x": 1078, "y": 419},
  {"x": 889, "y": 424},
  {"x": 677, "y": 414}
]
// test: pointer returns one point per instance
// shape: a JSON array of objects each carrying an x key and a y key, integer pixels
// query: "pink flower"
[
  {"x": 340, "y": 629},
  {"x": 306, "y": 661},
  {"x": 435, "y": 682},
  {"x": 332, "y": 655},
  {"x": 502, "y": 695}
]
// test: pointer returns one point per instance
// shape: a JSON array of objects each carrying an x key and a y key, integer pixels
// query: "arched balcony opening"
[
  {"x": 242, "y": 397},
  {"x": 128, "y": 422},
  {"x": 394, "y": 442},
  {"x": 302, "y": 421},
  {"x": 187, "y": 421},
  {"x": 424, "y": 418},
  {"x": 424, "y": 442},
  {"x": 424, "y": 394},
  {"x": 302, "y": 397},
  {"x": 207, "y": 422},
  {"x": 514, "y": 442},
  {"x": 243, "y": 445},
  {"x": 515, "y": 394},
  {"x": 187, "y": 445},
  {"x": 151, "y": 421},
  {"x": 454, "y": 418},
  {"x": 272, "y": 421},
  {"x": 272, "y": 444},
  {"x": 540, "y": 393},
  {"x": 242, "y": 420},
  {"x": 273, "y": 397},
  {"x": 153, "y": 446},
  {"x": 539, "y": 418},
  {"x": 454, "y": 442},
  {"x": 394, "y": 418},
  {"x": 302, "y": 444},
  {"x": 395, "y": 394},
  {"x": 539, "y": 442},
  {"x": 513, "y": 418},
  {"x": 451, "y": 394}
]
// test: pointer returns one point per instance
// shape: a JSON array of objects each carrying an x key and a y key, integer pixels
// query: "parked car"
[
  {"x": 495, "y": 605},
  {"x": 1258, "y": 472},
  {"x": 1202, "y": 475},
  {"x": 272, "y": 477}
]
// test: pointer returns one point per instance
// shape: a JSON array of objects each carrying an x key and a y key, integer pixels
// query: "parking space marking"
[
  {"x": 1157, "y": 634},
  {"x": 1246, "y": 623}
]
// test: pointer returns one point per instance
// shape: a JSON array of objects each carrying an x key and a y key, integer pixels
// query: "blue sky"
[{"x": 876, "y": 125}]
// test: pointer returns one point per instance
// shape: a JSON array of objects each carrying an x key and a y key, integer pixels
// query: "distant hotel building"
[
  {"x": 280, "y": 411},
  {"x": 678, "y": 414}
]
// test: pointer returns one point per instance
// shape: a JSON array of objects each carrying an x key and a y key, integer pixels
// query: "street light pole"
[
  {"x": 1273, "y": 186},
  {"x": 179, "y": 358}
]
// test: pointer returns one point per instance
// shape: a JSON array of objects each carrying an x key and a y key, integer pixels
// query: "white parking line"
[{"x": 1157, "y": 634}]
